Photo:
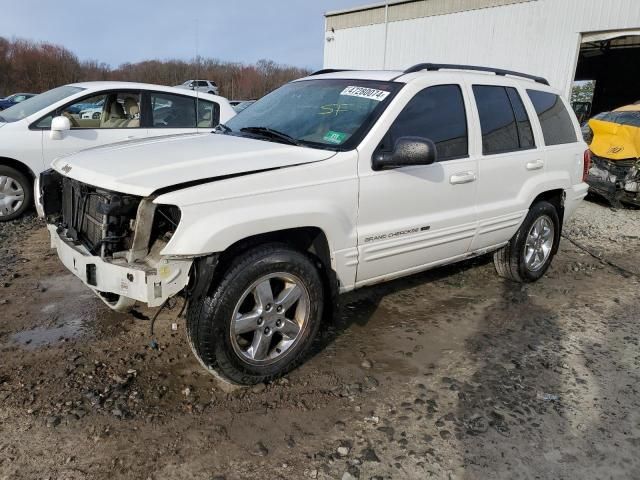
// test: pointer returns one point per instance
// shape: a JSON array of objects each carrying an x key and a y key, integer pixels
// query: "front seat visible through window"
[
  {"x": 114, "y": 116},
  {"x": 132, "y": 110}
]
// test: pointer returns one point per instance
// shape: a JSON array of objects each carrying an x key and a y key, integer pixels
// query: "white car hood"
[{"x": 140, "y": 167}]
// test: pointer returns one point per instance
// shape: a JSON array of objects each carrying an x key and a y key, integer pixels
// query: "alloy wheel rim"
[
  {"x": 11, "y": 195},
  {"x": 270, "y": 318},
  {"x": 539, "y": 243}
]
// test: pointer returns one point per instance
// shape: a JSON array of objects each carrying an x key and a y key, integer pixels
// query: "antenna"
[{"x": 197, "y": 62}]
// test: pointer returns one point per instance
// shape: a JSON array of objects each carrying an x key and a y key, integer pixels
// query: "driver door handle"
[
  {"x": 462, "y": 178},
  {"x": 535, "y": 165}
]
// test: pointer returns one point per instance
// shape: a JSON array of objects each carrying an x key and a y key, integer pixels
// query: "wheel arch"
[
  {"x": 310, "y": 240},
  {"x": 18, "y": 165},
  {"x": 556, "y": 198}
]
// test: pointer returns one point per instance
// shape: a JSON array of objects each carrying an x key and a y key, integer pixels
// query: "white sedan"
[{"x": 44, "y": 127}]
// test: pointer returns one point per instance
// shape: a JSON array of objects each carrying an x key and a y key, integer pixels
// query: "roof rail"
[
  {"x": 431, "y": 67},
  {"x": 330, "y": 70}
]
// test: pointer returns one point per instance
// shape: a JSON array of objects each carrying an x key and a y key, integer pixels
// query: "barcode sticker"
[{"x": 363, "y": 92}]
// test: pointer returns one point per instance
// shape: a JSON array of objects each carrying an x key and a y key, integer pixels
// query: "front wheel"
[
  {"x": 15, "y": 193},
  {"x": 528, "y": 254},
  {"x": 260, "y": 319}
]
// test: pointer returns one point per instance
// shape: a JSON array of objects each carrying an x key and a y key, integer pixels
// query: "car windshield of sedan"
[
  {"x": 35, "y": 104},
  {"x": 332, "y": 114}
]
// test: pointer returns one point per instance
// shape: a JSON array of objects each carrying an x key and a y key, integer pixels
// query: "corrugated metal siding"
[
  {"x": 540, "y": 37},
  {"x": 361, "y": 18},
  {"x": 430, "y": 8}
]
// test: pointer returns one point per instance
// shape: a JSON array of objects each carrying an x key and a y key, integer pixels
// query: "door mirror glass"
[{"x": 407, "y": 151}]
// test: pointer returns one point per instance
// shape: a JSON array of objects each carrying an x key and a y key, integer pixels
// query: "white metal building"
[{"x": 551, "y": 38}]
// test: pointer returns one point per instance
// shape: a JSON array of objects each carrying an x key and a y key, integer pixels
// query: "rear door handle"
[
  {"x": 535, "y": 165},
  {"x": 462, "y": 177}
]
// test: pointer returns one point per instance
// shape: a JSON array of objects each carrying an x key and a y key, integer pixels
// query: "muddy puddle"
[{"x": 43, "y": 337}]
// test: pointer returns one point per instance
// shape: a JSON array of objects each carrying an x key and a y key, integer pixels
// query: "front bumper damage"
[
  {"x": 618, "y": 181},
  {"x": 112, "y": 241},
  {"x": 151, "y": 281}
]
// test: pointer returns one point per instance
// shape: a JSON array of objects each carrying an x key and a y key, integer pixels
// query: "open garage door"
[{"x": 612, "y": 60}]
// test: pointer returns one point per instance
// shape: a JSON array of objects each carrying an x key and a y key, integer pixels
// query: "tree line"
[{"x": 34, "y": 67}]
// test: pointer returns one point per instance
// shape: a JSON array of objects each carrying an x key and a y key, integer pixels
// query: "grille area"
[{"x": 99, "y": 219}]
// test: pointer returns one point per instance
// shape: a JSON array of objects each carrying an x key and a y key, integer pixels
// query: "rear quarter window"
[{"x": 555, "y": 121}]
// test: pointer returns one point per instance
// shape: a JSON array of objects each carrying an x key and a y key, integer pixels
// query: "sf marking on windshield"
[{"x": 385, "y": 236}]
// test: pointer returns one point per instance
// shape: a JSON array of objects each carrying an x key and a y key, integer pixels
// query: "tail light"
[{"x": 587, "y": 165}]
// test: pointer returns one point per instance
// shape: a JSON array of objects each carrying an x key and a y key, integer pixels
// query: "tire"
[
  {"x": 16, "y": 193},
  {"x": 237, "y": 294},
  {"x": 511, "y": 261}
]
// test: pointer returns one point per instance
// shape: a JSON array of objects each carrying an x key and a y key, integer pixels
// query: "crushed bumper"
[
  {"x": 151, "y": 282},
  {"x": 617, "y": 181}
]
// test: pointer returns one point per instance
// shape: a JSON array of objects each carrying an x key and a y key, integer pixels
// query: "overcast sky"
[{"x": 118, "y": 31}]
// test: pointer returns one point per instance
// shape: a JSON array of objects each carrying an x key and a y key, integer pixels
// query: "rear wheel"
[
  {"x": 15, "y": 193},
  {"x": 261, "y": 317},
  {"x": 528, "y": 254}
]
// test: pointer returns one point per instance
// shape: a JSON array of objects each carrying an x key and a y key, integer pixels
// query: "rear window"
[
  {"x": 555, "y": 120},
  {"x": 503, "y": 119}
]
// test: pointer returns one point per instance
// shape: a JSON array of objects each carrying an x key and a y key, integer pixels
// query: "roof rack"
[
  {"x": 330, "y": 70},
  {"x": 431, "y": 67}
]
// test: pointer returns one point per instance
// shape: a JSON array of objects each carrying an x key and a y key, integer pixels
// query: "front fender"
[
  {"x": 214, "y": 229},
  {"x": 218, "y": 214}
]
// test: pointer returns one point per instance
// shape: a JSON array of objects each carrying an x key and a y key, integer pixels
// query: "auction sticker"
[
  {"x": 335, "y": 137},
  {"x": 363, "y": 92}
]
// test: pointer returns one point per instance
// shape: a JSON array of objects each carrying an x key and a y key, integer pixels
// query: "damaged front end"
[
  {"x": 618, "y": 181},
  {"x": 614, "y": 141},
  {"x": 113, "y": 241}
]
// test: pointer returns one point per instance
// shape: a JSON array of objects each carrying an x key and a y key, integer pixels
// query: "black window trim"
[
  {"x": 466, "y": 119},
  {"x": 533, "y": 137},
  {"x": 502, "y": 152},
  {"x": 33, "y": 125}
]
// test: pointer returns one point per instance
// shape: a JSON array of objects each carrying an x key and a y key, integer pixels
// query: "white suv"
[
  {"x": 333, "y": 182},
  {"x": 206, "y": 86},
  {"x": 81, "y": 115}
]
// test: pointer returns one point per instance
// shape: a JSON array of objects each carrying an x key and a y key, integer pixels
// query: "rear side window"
[
  {"x": 173, "y": 111},
  {"x": 555, "y": 120},
  {"x": 436, "y": 113},
  {"x": 503, "y": 120}
]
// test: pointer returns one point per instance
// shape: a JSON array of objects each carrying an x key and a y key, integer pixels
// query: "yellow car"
[{"x": 614, "y": 141}]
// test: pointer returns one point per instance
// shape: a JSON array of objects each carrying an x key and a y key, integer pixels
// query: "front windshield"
[
  {"x": 332, "y": 114},
  {"x": 35, "y": 104}
]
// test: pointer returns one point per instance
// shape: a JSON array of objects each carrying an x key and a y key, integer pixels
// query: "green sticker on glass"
[{"x": 335, "y": 137}]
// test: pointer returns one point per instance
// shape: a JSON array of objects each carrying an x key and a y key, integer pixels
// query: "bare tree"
[{"x": 35, "y": 67}]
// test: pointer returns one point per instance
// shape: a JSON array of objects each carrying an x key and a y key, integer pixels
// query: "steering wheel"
[{"x": 72, "y": 121}]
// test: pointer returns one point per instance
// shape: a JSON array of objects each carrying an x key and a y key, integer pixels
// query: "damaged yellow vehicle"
[{"x": 614, "y": 141}]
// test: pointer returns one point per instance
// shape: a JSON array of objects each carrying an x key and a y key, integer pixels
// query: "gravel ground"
[{"x": 453, "y": 373}]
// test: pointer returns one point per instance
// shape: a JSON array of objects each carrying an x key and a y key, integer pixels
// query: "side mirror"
[
  {"x": 406, "y": 152},
  {"x": 58, "y": 125}
]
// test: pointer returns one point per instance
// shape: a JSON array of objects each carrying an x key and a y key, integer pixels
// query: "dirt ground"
[{"x": 454, "y": 374}]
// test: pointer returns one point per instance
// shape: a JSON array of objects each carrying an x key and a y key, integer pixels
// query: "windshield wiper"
[
  {"x": 223, "y": 127},
  {"x": 2, "y": 119},
  {"x": 271, "y": 133}
]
